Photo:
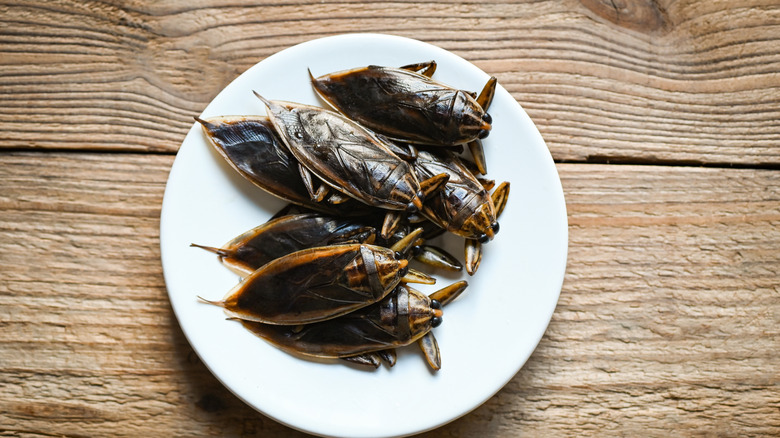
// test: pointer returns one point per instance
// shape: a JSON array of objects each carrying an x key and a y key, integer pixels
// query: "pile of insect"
[{"x": 396, "y": 161}]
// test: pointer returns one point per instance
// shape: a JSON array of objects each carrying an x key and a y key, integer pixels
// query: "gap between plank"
[{"x": 593, "y": 159}]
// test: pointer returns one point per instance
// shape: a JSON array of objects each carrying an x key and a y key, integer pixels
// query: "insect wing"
[
  {"x": 307, "y": 286},
  {"x": 287, "y": 234},
  {"x": 252, "y": 147},
  {"x": 401, "y": 104},
  {"x": 346, "y": 156},
  {"x": 369, "y": 329}
]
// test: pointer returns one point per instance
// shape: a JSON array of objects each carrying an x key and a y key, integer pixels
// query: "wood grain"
[
  {"x": 669, "y": 318},
  {"x": 605, "y": 81}
]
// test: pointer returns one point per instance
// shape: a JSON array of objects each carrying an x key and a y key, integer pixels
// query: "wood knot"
[{"x": 645, "y": 16}]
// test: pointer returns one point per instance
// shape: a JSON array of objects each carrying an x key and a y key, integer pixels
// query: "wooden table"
[{"x": 663, "y": 117}]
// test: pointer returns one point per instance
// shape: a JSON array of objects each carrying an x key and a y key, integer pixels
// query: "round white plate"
[{"x": 487, "y": 334}]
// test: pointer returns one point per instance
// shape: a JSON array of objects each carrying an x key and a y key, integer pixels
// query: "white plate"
[{"x": 487, "y": 334}]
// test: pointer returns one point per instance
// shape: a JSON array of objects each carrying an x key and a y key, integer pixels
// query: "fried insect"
[
  {"x": 402, "y": 318},
  {"x": 406, "y": 105},
  {"x": 316, "y": 284},
  {"x": 252, "y": 147},
  {"x": 319, "y": 283},
  {"x": 463, "y": 206},
  {"x": 287, "y": 234},
  {"x": 350, "y": 159}
]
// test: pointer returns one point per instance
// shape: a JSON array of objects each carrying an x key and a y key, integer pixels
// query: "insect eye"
[
  {"x": 494, "y": 226},
  {"x": 411, "y": 208},
  {"x": 487, "y": 118},
  {"x": 398, "y": 255},
  {"x": 483, "y": 133},
  {"x": 435, "y": 304},
  {"x": 483, "y": 238},
  {"x": 436, "y": 321},
  {"x": 416, "y": 250},
  {"x": 403, "y": 271}
]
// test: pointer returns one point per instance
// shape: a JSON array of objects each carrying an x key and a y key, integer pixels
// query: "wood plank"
[
  {"x": 668, "y": 322},
  {"x": 693, "y": 81}
]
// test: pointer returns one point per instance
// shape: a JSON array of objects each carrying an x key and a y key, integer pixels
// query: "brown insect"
[
  {"x": 366, "y": 335},
  {"x": 407, "y": 105},
  {"x": 349, "y": 159},
  {"x": 294, "y": 229},
  {"x": 463, "y": 206},
  {"x": 287, "y": 234},
  {"x": 252, "y": 147},
  {"x": 320, "y": 283}
]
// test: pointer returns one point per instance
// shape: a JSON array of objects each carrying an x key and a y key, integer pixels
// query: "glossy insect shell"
[
  {"x": 399, "y": 319},
  {"x": 287, "y": 234},
  {"x": 252, "y": 147},
  {"x": 346, "y": 156},
  {"x": 316, "y": 284},
  {"x": 462, "y": 206},
  {"x": 404, "y": 105}
]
